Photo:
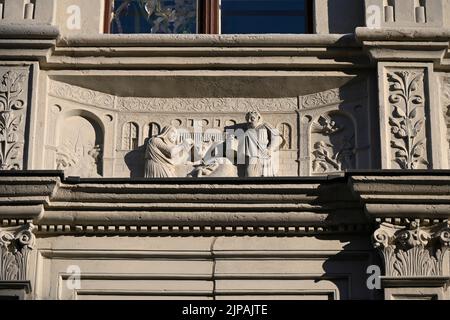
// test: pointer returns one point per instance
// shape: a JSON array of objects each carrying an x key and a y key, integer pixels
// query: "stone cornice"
[
  {"x": 204, "y": 40},
  {"x": 406, "y": 44},
  {"x": 403, "y": 34},
  {"x": 419, "y": 194},
  {"x": 255, "y": 52},
  {"x": 33, "y": 41},
  {"x": 180, "y": 206},
  {"x": 348, "y": 203},
  {"x": 267, "y": 51},
  {"x": 28, "y": 31}
]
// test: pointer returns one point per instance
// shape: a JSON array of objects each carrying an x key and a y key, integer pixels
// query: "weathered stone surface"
[{"x": 346, "y": 97}]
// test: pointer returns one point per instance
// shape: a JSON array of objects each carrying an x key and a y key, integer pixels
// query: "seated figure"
[{"x": 163, "y": 154}]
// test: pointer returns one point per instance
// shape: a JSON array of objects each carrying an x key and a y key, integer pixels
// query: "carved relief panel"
[
  {"x": 79, "y": 151},
  {"x": 445, "y": 101},
  {"x": 321, "y": 150},
  {"x": 203, "y": 128},
  {"x": 406, "y": 105},
  {"x": 333, "y": 143},
  {"x": 411, "y": 119},
  {"x": 13, "y": 116},
  {"x": 334, "y": 131}
]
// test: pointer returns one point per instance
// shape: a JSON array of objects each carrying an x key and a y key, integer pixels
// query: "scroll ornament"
[{"x": 15, "y": 246}]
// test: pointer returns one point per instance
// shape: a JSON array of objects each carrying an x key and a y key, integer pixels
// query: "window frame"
[{"x": 209, "y": 17}]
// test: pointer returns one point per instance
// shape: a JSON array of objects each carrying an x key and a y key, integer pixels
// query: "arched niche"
[
  {"x": 153, "y": 129},
  {"x": 80, "y": 143},
  {"x": 285, "y": 131},
  {"x": 130, "y": 136}
]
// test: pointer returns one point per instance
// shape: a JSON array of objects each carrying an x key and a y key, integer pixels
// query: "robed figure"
[
  {"x": 262, "y": 143},
  {"x": 163, "y": 154}
]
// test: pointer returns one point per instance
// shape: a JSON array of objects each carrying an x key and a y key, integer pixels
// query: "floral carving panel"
[
  {"x": 407, "y": 120},
  {"x": 13, "y": 108}
]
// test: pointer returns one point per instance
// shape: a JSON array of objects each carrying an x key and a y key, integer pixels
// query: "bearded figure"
[{"x": 261, "y": 144}]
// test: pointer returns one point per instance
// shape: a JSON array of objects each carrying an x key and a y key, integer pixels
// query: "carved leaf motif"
[
  {"x": 11, "y": 102},
  {"x": 413, "y": 113},
  {"x": 398, "y": 112},
  {"x": 15, "y": 245},
  {"x": 412, "y": 250},
  {"x": 402, "y": 149},
  {"x": 15, "y": 123},
  {"x": 13, "y": 152},
  {"x": 11, "y": 268},
  {"x": 407, "y": 131}
]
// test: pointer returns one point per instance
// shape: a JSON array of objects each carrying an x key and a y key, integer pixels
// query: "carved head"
[
  {"x": 95, "y": 152},
  {"x": 253, "y": 119},
  {"x": 169, "y": 134}
]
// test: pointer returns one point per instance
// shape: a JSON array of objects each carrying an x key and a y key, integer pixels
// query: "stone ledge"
[
  {"x": 203, "y": 40},
  {"x": 347, "y": 203},
  {"x": 28, "y": 31},
  {"x": 15, "y": 290},
  {"x": 402, "y": 34},
  {"x": 416, "y": 281}
]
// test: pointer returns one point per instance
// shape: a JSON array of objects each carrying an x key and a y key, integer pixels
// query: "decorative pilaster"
[
  {"x": 407, "y": 119},
  {"x": 411, "y": 122},
  {"x": 415, "y": 259},
  {"x": 13, "y": 111},
  {"x": 15, "y": 246},
  {"x": 445, "y": 102}
]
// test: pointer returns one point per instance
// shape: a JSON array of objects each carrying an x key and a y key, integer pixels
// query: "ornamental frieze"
[
  {"x": 320, "y": 99},
  {"x": 81, "y": 95},
  {"x": 206, "y": 104},
  {"x": 155, "y": 104}
]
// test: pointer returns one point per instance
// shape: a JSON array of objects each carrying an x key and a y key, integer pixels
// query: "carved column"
[
  {"x": 415, "y": 259},
  {"x": 15, "y": 246}
]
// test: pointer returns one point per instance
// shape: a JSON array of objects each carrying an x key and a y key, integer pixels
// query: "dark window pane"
[
  {"x": 154, "y": 16},
  {"x": 264, "y": 16}
]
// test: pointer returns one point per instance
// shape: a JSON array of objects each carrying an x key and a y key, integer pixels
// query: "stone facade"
[{"x": 362, "y": 109}]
